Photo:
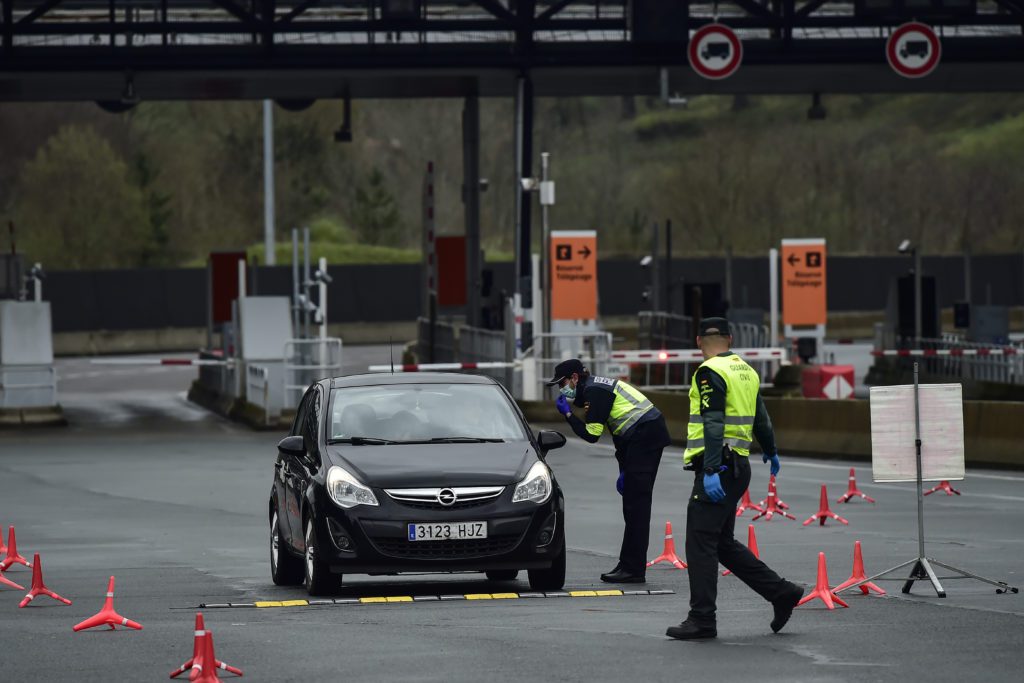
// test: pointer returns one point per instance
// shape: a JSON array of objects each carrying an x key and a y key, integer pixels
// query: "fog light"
[
  {"x": 344, "y": 542},
  {"x": 544, "y": 538},
  {"x": 338, "y": 535}
]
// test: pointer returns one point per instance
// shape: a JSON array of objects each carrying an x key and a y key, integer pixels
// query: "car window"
[
  {"x": 300, "y": 415},
  {"x": 424, "y": 411}
]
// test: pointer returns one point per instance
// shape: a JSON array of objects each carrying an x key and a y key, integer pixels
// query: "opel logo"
[{"x": 446, "y": 497}]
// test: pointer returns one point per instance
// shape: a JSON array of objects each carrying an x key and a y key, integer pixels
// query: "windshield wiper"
[
  {"x": 465, "y": 439},
  {"x": 364, "y": 441}
]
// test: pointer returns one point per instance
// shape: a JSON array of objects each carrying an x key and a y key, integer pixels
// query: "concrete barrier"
[{"x": 842, "y": 429}]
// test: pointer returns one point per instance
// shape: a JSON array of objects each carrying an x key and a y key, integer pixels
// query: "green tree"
[
  {"x": 374, "y": 212},
  {"x": 77, "y": 205}
]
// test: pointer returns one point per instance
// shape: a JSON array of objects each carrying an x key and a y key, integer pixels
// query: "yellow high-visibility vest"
[
  {"x": 629, "y": 406},
  {"x": 741, "y": 387}
]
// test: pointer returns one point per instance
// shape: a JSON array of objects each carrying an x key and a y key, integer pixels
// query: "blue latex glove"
[
  {"x": 774, "y": 460},
  {"x": 563, "y": 406},
  {"x": 620, "y": 483},
  {"x": 713, "y": 487}
]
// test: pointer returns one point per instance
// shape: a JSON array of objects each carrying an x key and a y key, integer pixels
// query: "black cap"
[
  {"x": 709, "y": 326},
  {"x": 565, "y": 370}
]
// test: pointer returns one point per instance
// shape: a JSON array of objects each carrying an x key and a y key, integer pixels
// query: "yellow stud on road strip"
[
  {"x": 583, "y": 594},
  {"x": 269, "y": 603},
  {"x": 294, "y": 603},
  {"x": 505, "y": 596},
  {"x": 400, "y": 598},
  {"x": 367, "y": 601},
  {"x": 608, "y": 594},
  {"x": 479, "y": 596}
]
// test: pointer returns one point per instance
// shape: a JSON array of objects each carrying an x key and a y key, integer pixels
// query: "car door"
[{"x": 290, "y": 467}]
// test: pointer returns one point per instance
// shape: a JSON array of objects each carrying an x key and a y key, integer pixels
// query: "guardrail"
[
  {"x": 686, "y": 362},
  {"x": 964, "y": 360}
]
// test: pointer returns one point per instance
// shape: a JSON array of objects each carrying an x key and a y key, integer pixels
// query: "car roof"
[{"x": 384, "y": 378}]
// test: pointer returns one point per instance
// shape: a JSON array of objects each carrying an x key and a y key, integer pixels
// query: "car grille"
[
  {"x": 434, "y": 505},
  {"x": 445, "y": 550}
]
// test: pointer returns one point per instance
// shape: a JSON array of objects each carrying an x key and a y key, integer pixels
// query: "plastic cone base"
[
  {"x": 751, "y": 546},
  {"x": 198, "y": 644},
  {"x": 203, "y": 672},
  {"x": 107, "y": 616},
  {"x": 747, "y": 504},
  {"x": 669, "y": 554},
  {"x": 821, "y": 590},
  {"x": 779, "y": 503},
  {"x": 12, "y": 557},
  {"x": 858, "y": 574},
  {"x": 943, "y": 486},
  {"x": 852, "y": 491},
  {"x": 824, "y": 512},
  {"x": 772, "y": 507},
  {"x": 38, "y": 587},
  {"x": 4, "y": 581}
]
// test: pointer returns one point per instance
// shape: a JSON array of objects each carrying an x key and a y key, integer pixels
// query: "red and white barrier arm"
[
  {"x": 948, "y": 352},
  {"x": 690, "y": 355},
  {"x": 160, "y": 361},
  {"x": 442, "y": 367}
]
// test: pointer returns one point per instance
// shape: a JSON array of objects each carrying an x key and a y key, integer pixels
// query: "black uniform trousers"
[
  {"x": 709, "y": 540},
  {"x": 639, "y": 457}
]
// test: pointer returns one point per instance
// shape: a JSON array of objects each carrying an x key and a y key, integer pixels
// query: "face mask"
[{"x": 569, "y": 391}]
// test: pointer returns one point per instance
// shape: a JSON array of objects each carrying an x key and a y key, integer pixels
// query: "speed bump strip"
[{"x": 472, "y": 597}]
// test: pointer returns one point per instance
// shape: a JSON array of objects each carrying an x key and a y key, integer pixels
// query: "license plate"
[{"x": 445, "y": 531}]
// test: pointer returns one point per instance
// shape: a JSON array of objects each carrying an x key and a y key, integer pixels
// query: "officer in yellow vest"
[
  {"x": 726, "y": 413},
  {"x": 640, "y": 435}
]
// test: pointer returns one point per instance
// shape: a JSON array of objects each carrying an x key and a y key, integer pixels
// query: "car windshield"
[{"x": 423, "y": 412}]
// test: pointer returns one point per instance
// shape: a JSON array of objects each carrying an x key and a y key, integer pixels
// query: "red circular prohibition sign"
[
  {"x": 935, "y": 52},
  {"x": 736, "y": 53}
]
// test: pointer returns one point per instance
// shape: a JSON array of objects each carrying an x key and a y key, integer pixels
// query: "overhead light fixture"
[{"x": 905, "y": 247}]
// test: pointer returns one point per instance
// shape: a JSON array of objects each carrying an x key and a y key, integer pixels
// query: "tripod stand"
[{"x": 922, "y": 565}]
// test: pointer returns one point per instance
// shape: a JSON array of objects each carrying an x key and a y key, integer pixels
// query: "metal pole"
[
  {"x": 241, "y": 278},
  {"x": 545, "y": 252},
  {"x": 295, "y": 283},
  {"x": 323, "y": 302},
  {"x": 967, "y": 275},
  {"x": 728, "y": 275},
  {"x": 270, "y": 257},
  {"x": 471, "y": 202},
  {"x": 917, "y": 294},
  {"x": 524, "y": 166},
  {"x": 773, "y": 294},
  {"x": 305, "y": 281},
  {"x": 655, "y": 275},
  {"x": 917, "y": 449},
  {"x": 668, "y": 266}
]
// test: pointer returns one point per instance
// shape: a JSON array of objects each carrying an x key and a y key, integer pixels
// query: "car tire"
[
  {"x": 318, "y": 577},
  {"x": 551, "y": 579},
  {"x": 285, "y": 568},
  {"x": 502, "y": 575}
]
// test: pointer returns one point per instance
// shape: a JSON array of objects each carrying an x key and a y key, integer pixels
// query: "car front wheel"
[
  {"x": 551, "y": 579},
  {"x": 285, "y": 568},
  {"x": 319, "y": 580}
]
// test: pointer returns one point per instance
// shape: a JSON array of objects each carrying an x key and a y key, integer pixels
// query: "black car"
[{"x": 385, "y": 474}]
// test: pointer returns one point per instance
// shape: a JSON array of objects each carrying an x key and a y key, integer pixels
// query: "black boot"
[
  {"x": 622, "y": 576},
  {"x": 691, "y": 630},
  {"x": 784, "y": 606}
]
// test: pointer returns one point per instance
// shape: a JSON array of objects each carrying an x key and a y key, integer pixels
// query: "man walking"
[
  {"x": 726, "y": 412},
  {"x": 639, "y": 434}
]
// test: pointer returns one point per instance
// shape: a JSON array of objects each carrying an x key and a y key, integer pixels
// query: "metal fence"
[
  {"x": 973, "y": 361},
  {"x": 306, "y": 361}
]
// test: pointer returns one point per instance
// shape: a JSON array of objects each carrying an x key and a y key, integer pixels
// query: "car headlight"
[
  {"x": 536, "y": 487},
  {"x": 346, "y": 491}
]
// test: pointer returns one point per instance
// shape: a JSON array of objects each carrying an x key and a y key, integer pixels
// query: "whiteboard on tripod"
[{"x": 893, "y": 452}]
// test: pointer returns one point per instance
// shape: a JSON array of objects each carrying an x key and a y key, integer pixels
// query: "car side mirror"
[
  {"x": 292, "y": 445},
  {"x": 550, "y": 440}
]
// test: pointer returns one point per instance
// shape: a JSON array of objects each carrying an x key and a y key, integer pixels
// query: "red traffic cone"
[
  {"x": 12, "y": 557},
  {"x": 772, "y": 484},
  {"x": 38, "y": 587},
  {"x": 858, "y": 574},
  {"x": 943, "y": 486},
  {"x": 821, "y": 589},
  {"x": 771, "y": 504},
  {"x": 852, "y": 490},
  {"x": 747, "y": 504},
  {"x": 751, "y": 546},
  {"x": 669, "y": 554},
  {"x": 107, "y": 616},
  {"x": 198, "y": 646},
  {"x": 201, "y": 672},
  {"x": 823, "y": 511}
]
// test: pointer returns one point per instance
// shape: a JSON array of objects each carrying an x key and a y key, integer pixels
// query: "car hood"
[{"x": 434, "y": 465}]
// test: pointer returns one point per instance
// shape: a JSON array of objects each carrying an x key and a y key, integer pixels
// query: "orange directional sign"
[
  {"x": 803, "y": 282},
  {"x": 573, "y": 275}
]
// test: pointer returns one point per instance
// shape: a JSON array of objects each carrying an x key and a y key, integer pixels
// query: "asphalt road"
[{"x": 171, "y": 500}]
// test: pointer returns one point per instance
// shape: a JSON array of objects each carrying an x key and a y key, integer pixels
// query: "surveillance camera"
[
  {"x": 646, "y": 261},
  {"x": 323, "y": 276},
  {"x": 904, "y": 246},
  {"x": 529, "y": 184}
]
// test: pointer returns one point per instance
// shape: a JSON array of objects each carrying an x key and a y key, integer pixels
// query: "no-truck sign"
[
  {"x": 715, "y": 51},
  {"x": 913, "y": 50}
]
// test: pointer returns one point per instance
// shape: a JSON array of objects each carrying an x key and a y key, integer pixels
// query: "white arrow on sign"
[{"x": 837, "y": 388}]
